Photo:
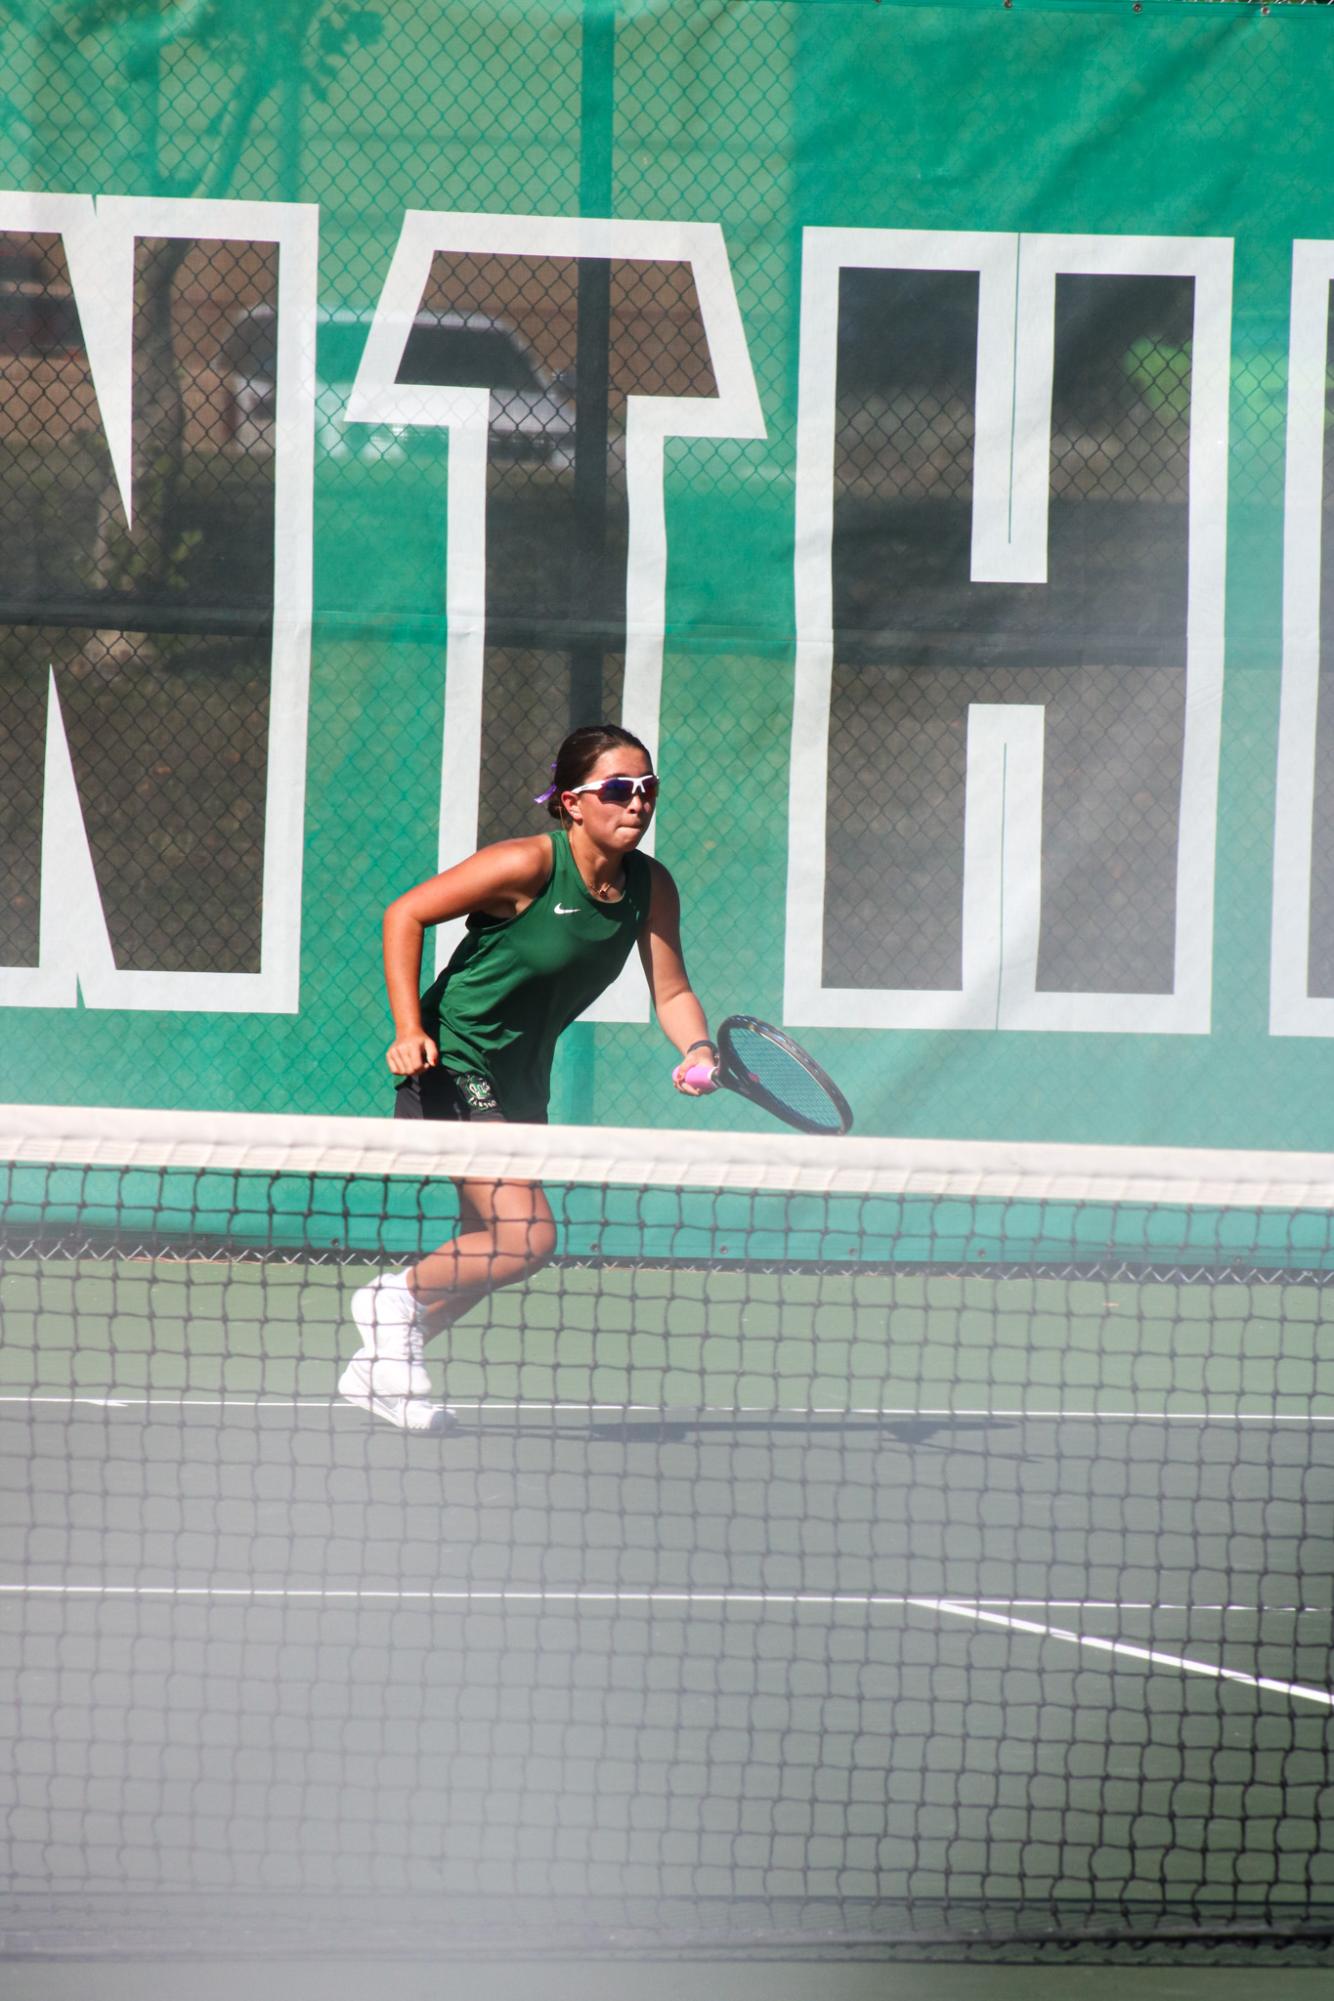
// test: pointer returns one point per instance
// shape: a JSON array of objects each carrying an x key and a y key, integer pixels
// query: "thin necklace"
[{"x": 605, "y": 892}]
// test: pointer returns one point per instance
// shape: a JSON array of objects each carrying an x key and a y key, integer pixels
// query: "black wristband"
[{"x": 703, "y": 1043}]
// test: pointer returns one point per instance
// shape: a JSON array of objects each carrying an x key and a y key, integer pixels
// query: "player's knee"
[
  {"x": 541, "y": 1246},
  {"x": 530, "y": 1241}
]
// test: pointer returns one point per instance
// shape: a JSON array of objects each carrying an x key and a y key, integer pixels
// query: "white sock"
[
  {"x": 395, "y": 1283},
  {"x": 385, "y": 1310}
]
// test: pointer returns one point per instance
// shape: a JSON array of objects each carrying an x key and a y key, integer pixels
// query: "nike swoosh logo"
[{"x": 573, "y": 910}]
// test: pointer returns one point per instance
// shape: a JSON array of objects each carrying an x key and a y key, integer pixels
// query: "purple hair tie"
[{"x": 542, "y": 797}]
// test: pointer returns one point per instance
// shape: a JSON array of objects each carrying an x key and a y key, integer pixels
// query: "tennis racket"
[{"x": 759, "y": 1062}]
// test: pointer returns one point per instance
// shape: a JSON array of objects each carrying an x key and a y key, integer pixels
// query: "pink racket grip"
[{"x": 700, "y": 1076}]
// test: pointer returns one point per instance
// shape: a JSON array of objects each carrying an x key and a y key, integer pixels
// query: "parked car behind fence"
[{"x": 532, "y": 420}]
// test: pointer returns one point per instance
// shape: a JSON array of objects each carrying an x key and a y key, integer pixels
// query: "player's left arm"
[{"x": 675, "y": 1002}]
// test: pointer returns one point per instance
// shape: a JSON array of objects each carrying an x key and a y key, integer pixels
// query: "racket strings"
[{"x": 785, "y": 1078}]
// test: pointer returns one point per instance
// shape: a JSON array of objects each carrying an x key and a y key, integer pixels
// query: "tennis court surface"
[{"x": 846, "y": 1546}]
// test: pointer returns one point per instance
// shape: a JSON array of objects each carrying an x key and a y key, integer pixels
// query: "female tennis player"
[{"x": 551, "y": 922}]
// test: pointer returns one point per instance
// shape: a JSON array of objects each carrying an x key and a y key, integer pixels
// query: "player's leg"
[
  {"x": 387, "y": 1375},
  {"x": 506, "y": 1233}
]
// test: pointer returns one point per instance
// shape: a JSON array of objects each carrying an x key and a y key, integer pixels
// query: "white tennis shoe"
[
  {"x": 388, "y": 1375},
  {"x": 373, "y": 1385}
]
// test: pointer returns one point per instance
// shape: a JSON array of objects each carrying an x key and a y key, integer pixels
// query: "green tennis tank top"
[{"x": 516, "y": 982}]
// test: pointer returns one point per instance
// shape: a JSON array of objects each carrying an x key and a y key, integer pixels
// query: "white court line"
[
  {"x": 612, "y": 1594},
  {"x": 959, "y": 1608},
  {"x": 1153, "y": 1655},
  {"x": 650, "y": 1595},
  {"x": 123, "y": 1400}
]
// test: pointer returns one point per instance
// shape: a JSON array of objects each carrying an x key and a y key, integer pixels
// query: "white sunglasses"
[{"x": 620, "y": 791}]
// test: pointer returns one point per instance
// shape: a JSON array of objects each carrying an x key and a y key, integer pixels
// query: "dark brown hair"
[{"x": 579, "y": 753}]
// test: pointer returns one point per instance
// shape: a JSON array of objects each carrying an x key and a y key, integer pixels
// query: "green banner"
[{"x": 909, "y": 418}]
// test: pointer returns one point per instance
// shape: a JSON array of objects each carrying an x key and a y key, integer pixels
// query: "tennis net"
[{"x": 844, "y": 1546}]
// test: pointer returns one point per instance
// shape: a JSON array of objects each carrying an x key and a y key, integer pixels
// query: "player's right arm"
[{"x": 501, "y": 880}]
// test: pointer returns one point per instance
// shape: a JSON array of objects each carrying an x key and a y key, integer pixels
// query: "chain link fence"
[
  {"x": 1101, "y": 648},
  {"x": 148, "y": 605},
  {"x": 152, "y": 621},
  {"x": 149, "y": 610}
]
